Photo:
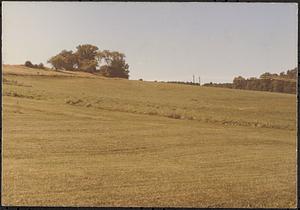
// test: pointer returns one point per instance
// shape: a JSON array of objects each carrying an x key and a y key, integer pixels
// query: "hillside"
[
  {"x": 25, "y": 71},
  {"x": 79, "y": 139}
]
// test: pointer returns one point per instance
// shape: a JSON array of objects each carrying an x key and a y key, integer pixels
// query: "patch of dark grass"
[
  {"x": 174, "y": 116},
  {"x": 73, "y": 101},
  {"x": 14, "y": 94},
  {"x": 14, "y": 82},
  {"x": 152, "y": 113}
]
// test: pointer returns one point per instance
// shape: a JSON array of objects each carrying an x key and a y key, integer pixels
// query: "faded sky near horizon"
[{"x": 161, "y": 41}]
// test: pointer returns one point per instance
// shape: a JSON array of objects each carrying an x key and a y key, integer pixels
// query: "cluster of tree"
[
  {"x": 184, "y": 83},
  {"x": 266, "y": 84},
  {"x": 35, "y": 66},
  {"x": 290, "y": 74},
  {"x": 283, "y": 82},
  {"x": 223, "y": 85},
  {"x": 89, "y": 58}
]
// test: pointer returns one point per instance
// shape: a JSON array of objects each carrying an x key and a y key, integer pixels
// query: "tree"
[
  {"x": 86, "y": 57},
  {"x": 287, "y": 88},
  {"x": 104, "y": 57},
  {"x": 267, "y": 84},
  {"x": 239, "y": 82},
  {"x": 57, "y": 62},
  {"x": 64, "y": 60},
  {"x": 69, "y": 60},
  {"x": 277, "y": 85},
  {"x": 88, "y": 65},
  {"x": 41, "y": 66},
  {"x": 282, "y": 74},
  {"x": 86, "y": 51},
  {"x": 265, "y": 75},
  {"x": 28, "y": 64},
  {"x": 114, "y": 64},
  {"x": 35, "y": 66},
  {"x": 292, "y": 74}
]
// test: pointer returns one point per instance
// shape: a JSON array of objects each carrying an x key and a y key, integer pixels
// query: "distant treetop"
[
  {"x": 284, "y": 82},
  {"x": 36, "y": 66}
]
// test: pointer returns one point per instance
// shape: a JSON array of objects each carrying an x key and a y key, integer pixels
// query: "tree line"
[
  {"x": 184, "y": 83},
  {"x": 283, "y": 82},
  {"x": 89, "y": 58}
]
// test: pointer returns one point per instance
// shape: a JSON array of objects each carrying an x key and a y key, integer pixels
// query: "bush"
[
  {"x": 35, "y": 66},
  {"x": 41, "y": 66},
  {"x": 29, "y": 64}
]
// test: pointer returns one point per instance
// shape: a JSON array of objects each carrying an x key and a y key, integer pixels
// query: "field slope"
[{"x": 77, "y": 139}]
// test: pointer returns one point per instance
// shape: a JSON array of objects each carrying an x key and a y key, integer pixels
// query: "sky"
[{"x": 167, "y": 41}]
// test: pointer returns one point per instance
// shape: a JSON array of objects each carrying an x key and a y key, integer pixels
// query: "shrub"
[
  {"x": 41, "y": 66},
  {"x": 35, "y": 66},
  {"x": 29, "y": 64}
]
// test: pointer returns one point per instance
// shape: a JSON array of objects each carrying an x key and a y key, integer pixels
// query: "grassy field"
[{"x": 76, "y": 139}]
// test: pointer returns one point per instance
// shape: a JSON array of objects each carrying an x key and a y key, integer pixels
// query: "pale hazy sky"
[{"x": 161, "y": 41}]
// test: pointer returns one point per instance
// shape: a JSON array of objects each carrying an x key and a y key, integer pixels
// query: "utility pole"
[
  {"x": 199, "y": 81},
  {"x": 193, "y": 78}
]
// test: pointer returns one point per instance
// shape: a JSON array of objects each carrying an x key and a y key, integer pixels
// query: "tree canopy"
[
  {"x": 64, "y": 60},
  {"x": 90, "y": 59}
]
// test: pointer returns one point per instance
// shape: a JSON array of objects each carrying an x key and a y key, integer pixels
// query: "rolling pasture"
[{"x": 79, "y": 139}]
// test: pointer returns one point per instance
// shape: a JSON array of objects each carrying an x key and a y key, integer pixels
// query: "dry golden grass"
[{"x": 91, "y": 141}]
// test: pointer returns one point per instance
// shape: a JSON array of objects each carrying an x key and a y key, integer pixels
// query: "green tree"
[
  {"x": 277, "y": 85},
  {"x": 64, "y": 60},
  {"x": 114, "y": 64},
  {"x": 69, "y": 60},
  {"x": 292, "y": 74},
  {"x": 57, "y": 62},
  {"x": 239, "y": 82},
  {"x": 265, "y": 75},
  {"x": 282, "y": 75},
  {"x": 88, "y": 65},
  {"x": 104, "y": 57},
  {"x": 41, "y": 66},
  {"x": 28, "y": 64},
  {"x": 86, "y": 57}
]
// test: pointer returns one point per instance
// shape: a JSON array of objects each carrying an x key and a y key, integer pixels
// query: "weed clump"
[
  {"x": 174, "y": 116},
  {"x": 72, "y": 101}
]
